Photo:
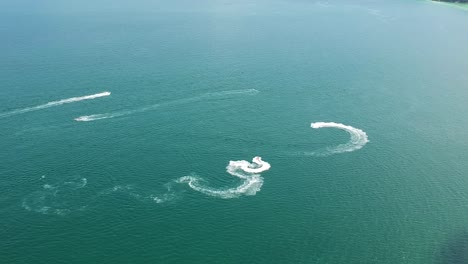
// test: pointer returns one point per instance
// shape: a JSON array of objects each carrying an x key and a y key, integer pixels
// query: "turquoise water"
[{"x": 197, "y": 85}]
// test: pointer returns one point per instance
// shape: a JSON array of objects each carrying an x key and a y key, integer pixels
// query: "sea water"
[{"x": 281, "y": 131}]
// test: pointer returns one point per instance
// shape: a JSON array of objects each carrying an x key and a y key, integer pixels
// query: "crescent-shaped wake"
[
  {"x": 357, "y": 141},
  {"x": 248, "y": 172}
]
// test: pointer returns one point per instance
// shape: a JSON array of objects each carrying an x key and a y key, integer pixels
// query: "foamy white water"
[
  {"x": 54, "y": 103},
  {"x": 242, "y": 169},
  {"x": 206, "y": 96},
  {"x": 358, "y": 138},
  {"x": 95, "y": 117}
]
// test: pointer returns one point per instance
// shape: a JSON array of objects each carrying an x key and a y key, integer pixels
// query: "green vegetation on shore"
[
  {"x": 456, "y": 3},
  {"x": 452, "y": 1}
]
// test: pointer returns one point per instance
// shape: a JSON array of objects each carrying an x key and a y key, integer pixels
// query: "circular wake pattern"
[
  {"x": 357, "y": 141},
  {"x": 70, "y": 196},
  {"x": 248, "y": 172},
  {"x": 59, "y": 199}
]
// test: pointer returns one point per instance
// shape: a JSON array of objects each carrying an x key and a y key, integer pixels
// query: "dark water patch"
[{"x": 455, "y": 251}]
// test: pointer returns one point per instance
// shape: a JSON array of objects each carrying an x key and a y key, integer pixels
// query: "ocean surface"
[{"x": 222, "y": 131}]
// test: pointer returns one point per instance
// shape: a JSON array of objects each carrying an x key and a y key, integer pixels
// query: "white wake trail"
[
  {"x": 99, "y": 116},
  {"x": 242, "y": 169},
  {"x": 95, "y": 117},
  {"x": 358, "y": 138},
  {"x": 54, "y": 103},
  {"x": 206, "y": 96}
]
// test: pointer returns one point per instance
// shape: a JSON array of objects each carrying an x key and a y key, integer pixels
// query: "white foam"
[
  {"x": 54, "y": 103},
  {"x": 114, "y": 114},
  {"x": 236, "y": 92},
  {"x": 71, "y": 195},
  {"x": 60, "y": 199},
  {"x": 206, "y": 96},
  {"x": 77, "y": 184},
  {"x": 144, "y": 195},
  {"x": 162, "y": 198},
  {"x": 244, "y": 170},
  {"x": 93, "y": 117},
  {"x": 48, "y": 186},
  {"x": 357, "y": 141},
  {"x": 257, "y": 165}
]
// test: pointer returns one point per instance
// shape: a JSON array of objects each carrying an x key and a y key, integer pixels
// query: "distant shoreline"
[
  {"x": 452, "y": 4},
  {"x": 461, "y": 5}
]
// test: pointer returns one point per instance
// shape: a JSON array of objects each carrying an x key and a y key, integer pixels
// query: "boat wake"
[
  {"x": 54, "y": 103},
  {"x": 206, "y": 96},
  {"x": 248, "y": 172},
  {"x": 358, "y": 138},
  {"x": 168, "y": 195},
  {"x": 59, "y": 199},
  {"x": 71, "y": 196},
  {"x": 115, "y": 114},
  {"x": 66, "y": 197}
]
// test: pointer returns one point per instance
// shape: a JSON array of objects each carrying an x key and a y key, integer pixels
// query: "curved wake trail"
[
  {"x": 242, "y": 169},
  {"x": 72, "y": 195},
  {"x": 357, "y": 141},
  {"x": 206, "y": 96},
  {"x": 54, "y": 103}
]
